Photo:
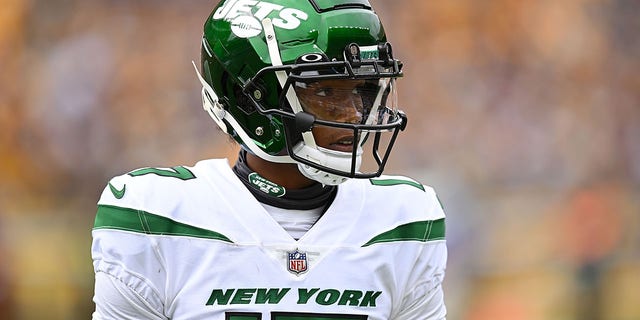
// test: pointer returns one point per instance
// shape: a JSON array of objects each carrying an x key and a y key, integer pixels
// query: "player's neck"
[{"x": 286, "y": 175}]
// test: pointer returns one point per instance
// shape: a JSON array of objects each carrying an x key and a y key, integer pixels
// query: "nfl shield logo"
[{"x": 297, "y": 262}]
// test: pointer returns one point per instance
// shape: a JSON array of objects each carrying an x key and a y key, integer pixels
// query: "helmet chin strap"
[
  {"x": 330, "y": 158},
  {"x": 308, "y": 149}
]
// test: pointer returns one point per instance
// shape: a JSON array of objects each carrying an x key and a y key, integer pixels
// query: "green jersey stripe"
[
  {"x": 393, "y": 182},
  {"x": 118, "y": 218},
  {"x": 423, "y": 231}
]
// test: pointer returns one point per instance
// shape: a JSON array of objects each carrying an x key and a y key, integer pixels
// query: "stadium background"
[{"x": 525, "y": 116}]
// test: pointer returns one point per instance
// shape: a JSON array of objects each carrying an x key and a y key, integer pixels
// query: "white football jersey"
[{"x": 193, "y": 243}]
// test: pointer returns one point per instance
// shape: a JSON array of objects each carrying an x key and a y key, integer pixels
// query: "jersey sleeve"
[
  {"x": 116, "y": 300},
  {"x": 425, "y": 298},
  {"x": 129, "y": 271}
]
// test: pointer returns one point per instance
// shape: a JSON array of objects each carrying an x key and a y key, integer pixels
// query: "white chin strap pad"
[
  {"x": 327, "y": 158},
  {"x": 323, "y": 177}
]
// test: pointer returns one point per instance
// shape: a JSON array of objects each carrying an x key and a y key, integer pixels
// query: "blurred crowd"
[{"x": 524, "y": 115}]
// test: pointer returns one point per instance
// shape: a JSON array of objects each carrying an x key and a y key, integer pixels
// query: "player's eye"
[{"x": 325, "y": 92}]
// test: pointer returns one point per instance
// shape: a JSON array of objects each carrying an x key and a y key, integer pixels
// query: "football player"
[{"x": 303, "y": 225}]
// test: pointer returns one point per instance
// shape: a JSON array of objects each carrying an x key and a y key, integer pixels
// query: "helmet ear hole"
[{"x": 243, "y": 102}]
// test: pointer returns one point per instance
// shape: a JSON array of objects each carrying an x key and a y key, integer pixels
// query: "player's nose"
[{"x": 351, "y": 110}]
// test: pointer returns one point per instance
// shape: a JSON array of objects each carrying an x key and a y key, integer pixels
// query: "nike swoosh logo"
[{"x": 118, "y": 193}]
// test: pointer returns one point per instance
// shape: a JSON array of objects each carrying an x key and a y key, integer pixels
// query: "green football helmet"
[{"x": 276, "y": 72}]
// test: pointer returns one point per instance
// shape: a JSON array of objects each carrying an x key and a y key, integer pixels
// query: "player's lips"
[{"x": 344, "y": 144}]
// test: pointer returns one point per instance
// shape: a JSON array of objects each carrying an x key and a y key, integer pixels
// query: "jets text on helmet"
[{"x": 245, "y": 16}]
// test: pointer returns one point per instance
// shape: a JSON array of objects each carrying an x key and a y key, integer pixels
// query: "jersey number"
[
  {"x": 292, "y": 316},
  {"x": 180, "y": 172}
]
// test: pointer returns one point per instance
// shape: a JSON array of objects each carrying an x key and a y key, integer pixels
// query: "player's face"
[{"x": 333, "y": 100}]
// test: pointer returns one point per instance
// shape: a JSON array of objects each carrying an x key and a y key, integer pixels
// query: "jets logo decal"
[{"x": 245, "y": 16}]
